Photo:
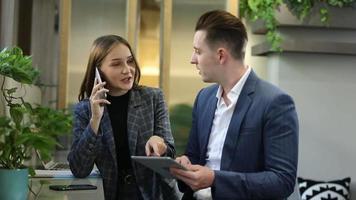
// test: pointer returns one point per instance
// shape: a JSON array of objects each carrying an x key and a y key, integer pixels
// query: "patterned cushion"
[{"x": 321, "y": 190}]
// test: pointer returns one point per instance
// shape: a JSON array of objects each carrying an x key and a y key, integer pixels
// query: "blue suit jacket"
[
  {"x": 147, "y": 116},
  {"x": 260, "y": 153}
]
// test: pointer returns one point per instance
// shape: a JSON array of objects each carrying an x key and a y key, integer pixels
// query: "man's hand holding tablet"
[{"x": 196, "y": 176}]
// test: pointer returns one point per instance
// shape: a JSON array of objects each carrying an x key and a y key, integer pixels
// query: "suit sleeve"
[
  {"x": 280, "y": 136},
  {"x": 85, "y": 143}
]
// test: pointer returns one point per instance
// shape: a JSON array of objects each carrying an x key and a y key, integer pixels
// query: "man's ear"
[{"x": 222, "y": 55}]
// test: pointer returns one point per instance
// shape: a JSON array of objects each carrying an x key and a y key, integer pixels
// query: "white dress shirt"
[{"x": 222, "y": 118}]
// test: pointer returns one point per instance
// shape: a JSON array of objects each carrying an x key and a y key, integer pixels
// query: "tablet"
[{"x": 159, "y": 165}]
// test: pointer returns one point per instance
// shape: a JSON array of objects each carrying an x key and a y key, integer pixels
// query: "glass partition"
[
  {"x": 185, "y": 82},
  {"x": 148, "y": 42},
  {"x": 90, "y": 19}
]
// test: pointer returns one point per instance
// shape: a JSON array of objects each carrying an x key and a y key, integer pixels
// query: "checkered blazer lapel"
[
  {"x": 109, "y": 134},
  {"x": 134, "y": 114}
]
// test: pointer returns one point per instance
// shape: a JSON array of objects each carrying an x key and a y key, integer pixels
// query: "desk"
[{"x": 44, "y": 193}]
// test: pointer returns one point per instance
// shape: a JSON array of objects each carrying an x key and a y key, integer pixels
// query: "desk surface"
[{"x": 45, "y": 193}]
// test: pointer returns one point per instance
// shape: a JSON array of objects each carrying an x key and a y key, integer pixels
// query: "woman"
[{"x": 131, "y": 120}]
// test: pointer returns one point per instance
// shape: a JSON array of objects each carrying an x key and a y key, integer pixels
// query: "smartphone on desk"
[
  {"x": 98, "y": 77},
  {"x": 72, "y": 187}
]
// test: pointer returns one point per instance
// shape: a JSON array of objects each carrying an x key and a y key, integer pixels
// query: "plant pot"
[{"x": 13, "y": 184}]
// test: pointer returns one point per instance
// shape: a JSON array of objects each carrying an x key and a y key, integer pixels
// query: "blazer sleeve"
[
  {"x": 85, "y": 143},
  {"x": 162, "y": 127},
  {"x": 280, "y": 136}
]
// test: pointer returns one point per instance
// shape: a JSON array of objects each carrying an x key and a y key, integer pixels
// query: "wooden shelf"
[{"x": 307, "y": 46}]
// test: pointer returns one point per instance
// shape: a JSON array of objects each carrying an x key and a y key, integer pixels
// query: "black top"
[{"x": 118, "y": 116}]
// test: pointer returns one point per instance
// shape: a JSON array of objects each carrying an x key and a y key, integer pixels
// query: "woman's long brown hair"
[{"x": 99, "y": 50}]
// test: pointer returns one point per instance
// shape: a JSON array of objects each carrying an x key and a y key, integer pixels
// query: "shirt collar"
[{"x": 234, "y": 93}]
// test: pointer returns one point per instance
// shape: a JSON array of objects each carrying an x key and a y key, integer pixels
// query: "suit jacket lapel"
[
  {"x": 133, "y": 116},
  {"x": 242, "y": 105},
  {"x": 208, "y": 117}
]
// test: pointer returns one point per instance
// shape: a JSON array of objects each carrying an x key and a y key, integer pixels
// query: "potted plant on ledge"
[{"x": 26, "y": 128}]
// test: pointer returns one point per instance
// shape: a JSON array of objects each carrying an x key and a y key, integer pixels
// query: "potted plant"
[
  {"x": 26, "y": 128},
  {"x": 266, "y": 11}
]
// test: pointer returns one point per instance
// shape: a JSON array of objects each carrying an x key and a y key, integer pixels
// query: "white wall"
[{"x": 324, "y": 89}]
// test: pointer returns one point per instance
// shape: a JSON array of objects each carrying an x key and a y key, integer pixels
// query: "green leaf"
[
  {"x": 4, "y": 122},
  {"x": 31, "y": 171},
  {"x": 15, "y": 65},
  {"x": 324, "y": 15},
  {"x": 16, "y": 114},
  {"x": 11, "y": 91},
  {"x": 27, "y": 105},
  {"x": 253, "y": 4}
]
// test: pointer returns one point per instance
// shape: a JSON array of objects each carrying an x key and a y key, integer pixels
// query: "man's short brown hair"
[{"x": 223, "y": 27}]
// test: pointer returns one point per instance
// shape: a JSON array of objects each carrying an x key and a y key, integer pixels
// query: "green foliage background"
[{"x": 181, "y": 121}]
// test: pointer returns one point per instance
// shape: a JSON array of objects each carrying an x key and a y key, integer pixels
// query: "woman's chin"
[{"x": 128, "y": 87}]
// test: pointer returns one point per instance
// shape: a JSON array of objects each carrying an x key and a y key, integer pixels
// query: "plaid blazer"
[{"x": 147, "y": 116}]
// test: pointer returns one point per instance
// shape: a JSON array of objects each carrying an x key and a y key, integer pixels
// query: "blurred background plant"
[
  {"x": 26, "y": 128},
  {"x": 181, "y": 121}
]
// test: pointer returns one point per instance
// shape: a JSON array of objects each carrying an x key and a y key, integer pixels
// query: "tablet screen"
[{"x": 160, "y": 165}]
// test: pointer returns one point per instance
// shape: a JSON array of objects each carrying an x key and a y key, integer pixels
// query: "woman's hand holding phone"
[{"x": 97, "y": 100}]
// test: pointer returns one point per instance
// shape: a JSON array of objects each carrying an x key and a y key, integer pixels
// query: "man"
[{"x": 244, "y": 138}]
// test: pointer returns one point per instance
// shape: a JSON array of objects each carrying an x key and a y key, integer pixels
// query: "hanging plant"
[{"x": 265, "y": 10}]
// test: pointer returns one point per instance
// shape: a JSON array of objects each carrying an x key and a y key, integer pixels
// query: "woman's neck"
[{"x": 116, "y": 92}]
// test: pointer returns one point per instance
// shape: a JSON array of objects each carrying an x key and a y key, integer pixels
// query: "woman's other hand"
[{"x": 155, "y": 146}]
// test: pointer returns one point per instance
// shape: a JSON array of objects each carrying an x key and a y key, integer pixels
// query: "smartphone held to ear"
[{"x": 97, "y": 76}]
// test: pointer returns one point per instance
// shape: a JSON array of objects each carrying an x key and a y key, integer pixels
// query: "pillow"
[{"x": 322, "y": 190}]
